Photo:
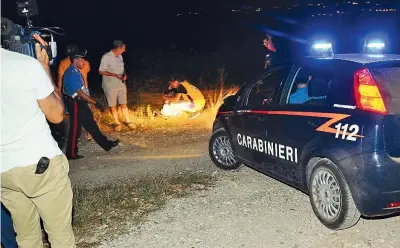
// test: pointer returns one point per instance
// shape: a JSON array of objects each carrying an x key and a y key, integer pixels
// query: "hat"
[
  {"x": 78, "y": 54},
  {"x": 70, "y": 49}
]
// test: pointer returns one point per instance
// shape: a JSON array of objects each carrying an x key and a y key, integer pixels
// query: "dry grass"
[
  {"x": 216, "y": 99},
  {"x": 106, "y": 211},
  {"x": 144, "y": 106}
]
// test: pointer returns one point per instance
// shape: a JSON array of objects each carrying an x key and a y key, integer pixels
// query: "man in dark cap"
[{"x": 77, "y": 103}]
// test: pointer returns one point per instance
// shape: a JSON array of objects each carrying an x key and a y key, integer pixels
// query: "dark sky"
[
  {"x": 95, "y": 21},
  {"x": 141, "y": 23}
]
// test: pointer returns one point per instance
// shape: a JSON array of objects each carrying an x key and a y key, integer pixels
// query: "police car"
[{"x": 340, "y": 144}]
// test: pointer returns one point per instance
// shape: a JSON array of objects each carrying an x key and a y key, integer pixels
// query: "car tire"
[
  {"x": 331, "y": 198},
  {"x": 221, "y": 152}
]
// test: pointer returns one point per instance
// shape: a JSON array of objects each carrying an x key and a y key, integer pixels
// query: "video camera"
[{"x": 20, "y": 39}]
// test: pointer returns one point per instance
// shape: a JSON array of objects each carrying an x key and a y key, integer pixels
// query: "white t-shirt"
[{"x": 25, "y": 133}]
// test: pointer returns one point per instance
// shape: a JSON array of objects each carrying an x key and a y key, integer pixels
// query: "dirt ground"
[
  {"x": 248, "y": 209},
  {"x": 244, "y": 209}
]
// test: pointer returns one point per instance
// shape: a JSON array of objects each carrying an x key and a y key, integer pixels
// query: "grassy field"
[
  {"x": 103, "y": 212},
  {"x": 142, "y": 107}
]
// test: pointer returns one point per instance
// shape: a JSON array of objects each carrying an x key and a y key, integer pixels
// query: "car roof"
[{"x": 361, "y": 59}]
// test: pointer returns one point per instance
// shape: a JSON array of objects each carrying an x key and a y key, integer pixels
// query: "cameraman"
[
  {"x": 77, "y": 103},
  {"x": 34, "y": 171}
]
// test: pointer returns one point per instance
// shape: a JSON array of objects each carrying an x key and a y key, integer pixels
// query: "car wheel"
[
  {"x": 221, "y": 152},
  {"x": 331, "y": 197}
]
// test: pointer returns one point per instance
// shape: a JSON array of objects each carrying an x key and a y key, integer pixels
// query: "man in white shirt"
[
  {"x": 34, "y": 172},
  {"x": 114, "y": 77}
]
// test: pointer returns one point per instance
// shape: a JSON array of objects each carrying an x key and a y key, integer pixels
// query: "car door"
[
  {"x": 295, "y": 124},
  {"x": 251, "y": 115}
]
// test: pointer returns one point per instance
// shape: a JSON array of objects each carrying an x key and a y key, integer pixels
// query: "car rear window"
[{"x": 388, "y": 80}]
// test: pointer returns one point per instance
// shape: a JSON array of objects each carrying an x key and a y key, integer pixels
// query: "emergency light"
[
  {"x": 322, "y": 49},
  {"x": 322, "y": 46},
  {"x": 374, "y": 47}
]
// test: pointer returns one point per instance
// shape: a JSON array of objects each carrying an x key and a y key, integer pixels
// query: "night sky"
[
  {"x": 153, "y": 24},
  {"x": 149, "y": 23},
  {"x": 142, "y": 22}
]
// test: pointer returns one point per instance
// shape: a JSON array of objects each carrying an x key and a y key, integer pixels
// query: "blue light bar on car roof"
[
  {"x": 376, "y": 45},
  {"x": 322, "y": 46},
  {"x": 322, "y": 49}
]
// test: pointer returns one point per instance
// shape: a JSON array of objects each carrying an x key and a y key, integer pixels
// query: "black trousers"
[
  {"x": 81, "y": 115},
  {"x": 60, "y": 133}
]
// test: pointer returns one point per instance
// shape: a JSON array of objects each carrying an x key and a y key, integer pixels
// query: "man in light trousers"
[
  {"x": 34, "y": 172},
  {"x": 114, "y": 78}
]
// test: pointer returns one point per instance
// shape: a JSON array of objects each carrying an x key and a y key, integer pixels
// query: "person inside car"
[{"x": 301, "y": 94}]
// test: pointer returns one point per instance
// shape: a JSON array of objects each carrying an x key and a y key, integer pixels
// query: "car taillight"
[
  {"x": 393, "y": 205},
  {"x": 367, "y": 92}
]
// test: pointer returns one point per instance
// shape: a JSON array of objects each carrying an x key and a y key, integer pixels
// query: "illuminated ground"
[{"x": 166, "y": 146}]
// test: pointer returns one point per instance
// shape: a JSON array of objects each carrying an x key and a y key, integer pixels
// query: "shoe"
[
  {"x": 76, "y": 157},
  {"x": 131, "y": 125},
  {"x": 113, "y": 144},
  {"x": 118, "y": 128}
]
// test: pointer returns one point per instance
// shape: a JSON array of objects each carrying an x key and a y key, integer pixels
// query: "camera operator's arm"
[
  {"x": 49, "y": 100},
  {"x": 43, "y": 58},
  {"x": 52, "y": 108}
]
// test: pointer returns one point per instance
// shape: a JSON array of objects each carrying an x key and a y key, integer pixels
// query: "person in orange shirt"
[{"x": 64, "y": 64}]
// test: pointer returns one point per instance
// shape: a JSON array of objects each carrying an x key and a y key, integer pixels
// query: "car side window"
[
  {"x": 263, "y": 93},
  {"x": 309, "y": 86}
]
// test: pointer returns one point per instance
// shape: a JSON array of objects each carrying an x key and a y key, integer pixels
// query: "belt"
[{"x": 69, "y": 98}]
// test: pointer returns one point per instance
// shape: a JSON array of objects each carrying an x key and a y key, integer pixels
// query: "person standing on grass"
[
  {"x": 77, "y": 103},
  {"x": 114, "y": 78},
  {"x": 34, "y": 171}
]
